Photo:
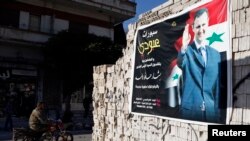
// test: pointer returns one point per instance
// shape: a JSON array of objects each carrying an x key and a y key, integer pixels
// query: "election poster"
[{"x": 181, "y": 65}]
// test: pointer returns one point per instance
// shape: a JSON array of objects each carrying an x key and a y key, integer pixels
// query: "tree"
[{"x": 73, "y": 55}]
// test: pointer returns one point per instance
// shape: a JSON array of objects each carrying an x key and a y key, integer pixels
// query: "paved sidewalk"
[
  {"x": 17, "y": 122},
  {"x": 79, "y": 135}
]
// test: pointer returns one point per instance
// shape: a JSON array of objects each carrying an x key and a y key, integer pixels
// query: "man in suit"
[{"x": 200, "y": 66}]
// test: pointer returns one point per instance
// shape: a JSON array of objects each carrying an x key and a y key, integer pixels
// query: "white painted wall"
[
  {"x": 101, "y": 31},
  {"x": 60, "y": 24},
  {"x": 46, "y": 23},
  {"x": 9, "y": 33}
]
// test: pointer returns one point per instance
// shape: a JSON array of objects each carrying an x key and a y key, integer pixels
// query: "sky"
[{"x": 142, "y": 7}]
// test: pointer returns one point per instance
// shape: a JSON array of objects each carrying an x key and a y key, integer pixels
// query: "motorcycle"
[{"x": 55, "y": 132}]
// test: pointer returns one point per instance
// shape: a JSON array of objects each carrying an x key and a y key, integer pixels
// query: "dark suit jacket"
[{"x": 200, "y": 84}]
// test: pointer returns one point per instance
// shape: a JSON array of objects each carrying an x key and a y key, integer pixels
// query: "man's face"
[
  {"x": 41, "y": 106},
  {"x": 200, "y": 26}
]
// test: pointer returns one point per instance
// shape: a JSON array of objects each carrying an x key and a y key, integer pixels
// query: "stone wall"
[{"x": 111, "y": 92}]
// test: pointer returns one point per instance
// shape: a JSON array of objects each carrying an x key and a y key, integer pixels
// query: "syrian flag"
[
  {"x": 217, "y": 38},
  {"x": 218, "y": 31},
  {"x": 173, "y": 86}
]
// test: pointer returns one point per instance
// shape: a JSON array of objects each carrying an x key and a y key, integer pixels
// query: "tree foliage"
[{"x": 73, "y": 55}]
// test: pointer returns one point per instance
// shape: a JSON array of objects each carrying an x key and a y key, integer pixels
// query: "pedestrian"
[
  {"x": 86, "y": 105},
  {"x": 67, "y": 119},
  {"x": 8, "y": 126}
]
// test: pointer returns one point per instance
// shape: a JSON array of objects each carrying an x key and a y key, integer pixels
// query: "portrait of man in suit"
[{"x": 200, "y": 65}]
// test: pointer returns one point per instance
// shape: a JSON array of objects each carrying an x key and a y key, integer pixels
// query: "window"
[{"x": 35, "y": 22}]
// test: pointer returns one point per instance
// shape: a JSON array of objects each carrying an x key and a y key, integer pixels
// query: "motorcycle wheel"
[
  {"x": 21, "y": 139},
  {"x": 65, "y": 137},
  {"x": 46, "y": 137}
]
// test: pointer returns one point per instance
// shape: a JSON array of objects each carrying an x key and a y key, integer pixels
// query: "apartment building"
[{"x": 25, "y": 25}]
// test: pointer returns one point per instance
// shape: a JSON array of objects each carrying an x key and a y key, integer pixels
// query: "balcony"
[
  {"x": 15, "y": 34},
  {"x": 118, "y": 10}
]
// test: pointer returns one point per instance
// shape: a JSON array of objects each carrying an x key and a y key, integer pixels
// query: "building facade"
[{"x": 26, "y": 25}]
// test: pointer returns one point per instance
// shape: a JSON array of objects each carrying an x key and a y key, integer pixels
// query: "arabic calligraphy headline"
[{"x": 148, "y": 46}]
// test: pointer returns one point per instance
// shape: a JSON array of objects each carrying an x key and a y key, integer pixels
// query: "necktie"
[{"x": 204, "y": 54}]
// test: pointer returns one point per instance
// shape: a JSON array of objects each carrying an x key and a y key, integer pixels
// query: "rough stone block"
[
  {"x": 248, "y": 14},
  {"x": 234, "y": 5},
  {"x": 235, "y": 44},
  {"x": 233, "y": 34},
  {"x": 242, "y": 16},
  {"x": 247, "y": 91},
  {"x": 240, "y": 4},
  {"x": 245, "y": 3},
  {"x": 246, "y": 115},
  {"x": 237, "y": 115},
  {"x": 237, "y": 30}
]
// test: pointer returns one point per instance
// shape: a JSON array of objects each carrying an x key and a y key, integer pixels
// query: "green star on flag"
[
  {"x": 176, "y": 76},
  {"x": 215, "y": 37}
]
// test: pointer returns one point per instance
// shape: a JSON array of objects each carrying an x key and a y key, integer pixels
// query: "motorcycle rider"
[{"x": 38, "y": 120}]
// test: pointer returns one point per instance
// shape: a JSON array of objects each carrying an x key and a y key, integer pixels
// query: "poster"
[{"x": 172, "y": 76}]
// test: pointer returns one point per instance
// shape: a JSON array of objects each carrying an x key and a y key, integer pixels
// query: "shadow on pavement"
[{"x": 23, "y": 122}]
